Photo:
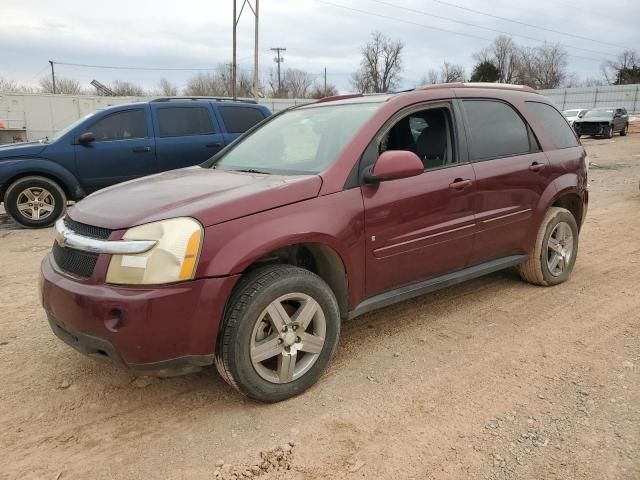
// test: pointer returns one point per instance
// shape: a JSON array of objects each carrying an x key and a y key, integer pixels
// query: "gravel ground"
[{"x": 491, "y": 379}]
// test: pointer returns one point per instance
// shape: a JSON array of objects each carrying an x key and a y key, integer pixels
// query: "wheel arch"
[
  {"x": 563, "y": 192},
  {"x": 319, "y": 258},
  {"x": 41, "y": 168}
]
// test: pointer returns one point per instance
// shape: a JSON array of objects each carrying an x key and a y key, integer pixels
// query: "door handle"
[
  {"x": 536, "y": 167},
  {"x": 460, "y": 184},
  {"x": 214, "y": 145},
  {"x": 141, "y": 149}
]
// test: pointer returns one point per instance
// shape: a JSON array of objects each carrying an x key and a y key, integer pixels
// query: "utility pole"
[
  {"x": 53, "y": 76},
  {"x": 234, "y": 67},
  {"x": 256, "y": 80},
  {"x": 234, "y": 61},
  {"x": 278, "y": 59},
  {"x": 325, "y": 81}
]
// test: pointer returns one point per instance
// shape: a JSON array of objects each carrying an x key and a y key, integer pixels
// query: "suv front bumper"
[{"x": 151, "y": 328}]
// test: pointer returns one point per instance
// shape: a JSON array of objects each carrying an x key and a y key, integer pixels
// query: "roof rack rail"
[
  {"x": 331, "y": 98},
  {"x": 216, "y": 99},
  {"x": 498, "y": 86}
]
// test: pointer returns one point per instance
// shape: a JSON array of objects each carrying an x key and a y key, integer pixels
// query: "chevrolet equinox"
[{"x": 251, "y": 260}]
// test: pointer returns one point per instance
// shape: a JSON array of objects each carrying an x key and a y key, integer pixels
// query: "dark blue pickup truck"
[{"x": 117, "y": 144}]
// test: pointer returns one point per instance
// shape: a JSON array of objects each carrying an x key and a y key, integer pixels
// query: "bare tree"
[
  {"x": 543, "y": 67},
  {"x": 319, "y": 91},
  {"x": 451, "y": 72},
  {"x": 219, "y": 83},
  {"x": 10, "y": 85},
  {"x": 65, "y": 86},
  {"x": 381, "y": 65},
  {"x": 166, "y": 88},
  {"x": 122, "y": 88},
  {"x": 624, "y": 69},
  {"x": 504, "y": 54},
  {"x": 431, "y": 78}
]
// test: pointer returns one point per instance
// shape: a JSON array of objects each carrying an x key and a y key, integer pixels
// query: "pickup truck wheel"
[
  {"x": 623, "y": 132},
  {"x": 555, "y": 251},
  {"x": 280, "y": 331},
  {"x": 35, "y": 202}
]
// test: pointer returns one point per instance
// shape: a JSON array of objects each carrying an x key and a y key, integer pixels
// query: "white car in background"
[{"x": 573, "y": 115}]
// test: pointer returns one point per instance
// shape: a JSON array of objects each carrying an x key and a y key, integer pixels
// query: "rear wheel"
[
  {"x": 35, "y": 202},
  {"x": 555, "y": 251},
  {"x": 280, "y": 331}
]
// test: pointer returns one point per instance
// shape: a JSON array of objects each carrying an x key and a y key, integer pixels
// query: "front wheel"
[
  {"x": 623, "y": 132},
  {"x": 608, "y": 133},
  {"x": 35, "y": 202},
  {"x": 280, "y": 331},
  {"x": 555, "y": 250}
]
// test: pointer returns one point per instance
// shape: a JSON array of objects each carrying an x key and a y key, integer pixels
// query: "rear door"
[
  {"x": 186, "y": 135},
  {"x": 511, "y": 174},
  {"x": 237, "y": 119},
  {"x": 123, "y": 149},
  {"x": 419, "y": 227}
]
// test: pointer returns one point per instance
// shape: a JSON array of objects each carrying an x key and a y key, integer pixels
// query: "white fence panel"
[{"x": 625, "y": 96}]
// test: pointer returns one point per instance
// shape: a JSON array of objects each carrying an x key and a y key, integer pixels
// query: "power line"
[
  {"x": 429, "y": 27},
  {"x": 421, "y": 12},
  {"x": 525, "y": 24},
  {"x": 174, "y": 69}
]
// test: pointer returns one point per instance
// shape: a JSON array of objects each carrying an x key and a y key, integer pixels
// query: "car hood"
[
  {"x": 599, "y": 118},
  {"x": 13, "y": 150},
  {"x": 208, "y": 195}
]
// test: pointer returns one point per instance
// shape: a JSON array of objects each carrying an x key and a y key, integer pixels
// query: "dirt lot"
[{"x": 492, "y": 379}]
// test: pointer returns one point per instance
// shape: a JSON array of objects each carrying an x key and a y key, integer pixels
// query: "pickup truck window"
[
  {"x": 124, "y": 125},
  {"x": 297, "y": 142},
  {"x": 240, "y": 119},
  {"x": 184, "y": 121}
]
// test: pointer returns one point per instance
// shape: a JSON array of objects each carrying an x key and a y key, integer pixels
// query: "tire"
[
  {"x": 623, "y": 132},
  {"x": 539, "y": 269},
  {"x": 608, "y": 133},
  {"x": 35, "y": 202},
  {"x": 248, "y": 325}
]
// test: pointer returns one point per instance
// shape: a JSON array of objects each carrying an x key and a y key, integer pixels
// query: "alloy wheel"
[
  {"x": 288, "y": 338},
  {"x": 35, "y": 203},
  {"x": 559, "y": 249}
]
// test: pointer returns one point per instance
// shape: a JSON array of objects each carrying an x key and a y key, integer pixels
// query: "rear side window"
[
  {"x": 495, "y": 130},
  {"x": 125, "y": 125},
  {"x": 184, "y": 121},
  {"x": 240, "y": 119},
  {"x": 554, "y": 124}
]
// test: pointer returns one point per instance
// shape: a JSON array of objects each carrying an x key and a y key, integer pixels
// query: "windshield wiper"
[{"x": 251, "y": 170}]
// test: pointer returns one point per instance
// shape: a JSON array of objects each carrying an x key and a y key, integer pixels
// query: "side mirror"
[
  {"x": 394, "y": 164},
  {"x": 86, "y": 138}
]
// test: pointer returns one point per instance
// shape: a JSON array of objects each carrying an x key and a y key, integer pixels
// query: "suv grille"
[
  {"x": 87, "y": 230},
  {"x": 75, "y": 262}
]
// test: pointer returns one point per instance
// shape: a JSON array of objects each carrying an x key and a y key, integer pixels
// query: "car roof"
[{"x": 495, "y": 89}]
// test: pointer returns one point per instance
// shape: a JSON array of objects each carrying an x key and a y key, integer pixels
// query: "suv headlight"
[{"x": 174, "y": 258}]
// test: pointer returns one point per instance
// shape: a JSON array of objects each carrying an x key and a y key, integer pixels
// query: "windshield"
[
  {"x": 67, "y": 129},
  {"x": 571, "y": 113},
  {"x": 605, "y": 112},
  {"x": 301, "y": 141}
]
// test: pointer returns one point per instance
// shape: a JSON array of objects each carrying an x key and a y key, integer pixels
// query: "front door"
[
  {"x": 123, "y": 149},
  {"x": 420, "y": 227}
]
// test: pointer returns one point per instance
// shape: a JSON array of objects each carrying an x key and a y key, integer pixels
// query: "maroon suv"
[{"x": 324, "y": 212}]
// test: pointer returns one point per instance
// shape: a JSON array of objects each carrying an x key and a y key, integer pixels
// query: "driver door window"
[
  {"x": 427, "y": 133},
  {"x": 125, "y": 125}
]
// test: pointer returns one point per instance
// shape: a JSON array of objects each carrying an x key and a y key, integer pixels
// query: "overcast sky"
[{"x": 197, "y": 34}]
